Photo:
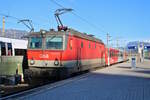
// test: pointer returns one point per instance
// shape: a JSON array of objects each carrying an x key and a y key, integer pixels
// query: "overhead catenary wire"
[
  {"x": 5, "y": 15},
  {"x": 80, "y": 17},
  {"x": 74, "y": 13},
  {"x": 29, "y": 26},
  {"x": 18, "y": 19},
  {"x": 91, "y": 24}
]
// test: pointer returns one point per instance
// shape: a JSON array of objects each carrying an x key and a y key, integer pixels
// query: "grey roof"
[
  {"x": 71, "y": 32},
  {"x": 13, "y": 33}
]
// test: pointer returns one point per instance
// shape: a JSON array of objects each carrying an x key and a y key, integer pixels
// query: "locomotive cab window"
[
  {"x": 54, "y": 42},
  {"x": 35, "y": 42}
]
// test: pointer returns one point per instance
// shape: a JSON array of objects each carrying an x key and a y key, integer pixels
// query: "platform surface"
[{"x": 118, "y": 82}]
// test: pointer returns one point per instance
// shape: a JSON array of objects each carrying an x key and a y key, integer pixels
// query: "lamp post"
[{"x": 3, "y": 29}]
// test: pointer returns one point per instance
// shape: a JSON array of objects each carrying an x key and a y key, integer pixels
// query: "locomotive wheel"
[
  {"x": 30, "y": 79},
  {"x": 27, "y": 76},
  {"x": 62, "y": 73}
]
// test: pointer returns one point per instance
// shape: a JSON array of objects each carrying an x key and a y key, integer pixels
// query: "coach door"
[
  {"x": 0, "y": 49},
  {"x": 103, "y": 58},
  {"x": 9, "y": 47},
  {"x": 79, "y": 58}
]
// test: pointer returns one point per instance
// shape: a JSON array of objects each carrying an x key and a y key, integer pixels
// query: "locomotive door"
[{"x": 79, "y": 57}]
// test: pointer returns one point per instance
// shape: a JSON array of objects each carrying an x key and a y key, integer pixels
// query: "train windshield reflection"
[
  {"x": 54, "y": 42},
  {"x": 35, "y": 42}
]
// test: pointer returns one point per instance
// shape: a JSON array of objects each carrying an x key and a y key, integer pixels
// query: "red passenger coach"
[
  {"x": 113, "y": 54},
  {"x": 61, "y": 53}
]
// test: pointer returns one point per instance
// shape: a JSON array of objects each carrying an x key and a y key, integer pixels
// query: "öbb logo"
[{"x": 44, "y": 56}]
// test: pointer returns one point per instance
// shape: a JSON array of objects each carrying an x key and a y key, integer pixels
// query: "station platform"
[{"x": 117, "y": 82}]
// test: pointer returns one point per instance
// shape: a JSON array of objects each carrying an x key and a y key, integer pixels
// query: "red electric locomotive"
[
  {"x": 66, "y": 51},
  {"x": 63, "y": 52}
]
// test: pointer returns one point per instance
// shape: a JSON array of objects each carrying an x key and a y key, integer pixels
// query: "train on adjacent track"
[
  {"x": 12, "y": 59},
  {"x": 62, "y": 53}
]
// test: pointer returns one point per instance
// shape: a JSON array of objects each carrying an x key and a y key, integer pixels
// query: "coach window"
[
  {"x": 3, "y": 49},
  {"x": 81, "y": 44},
  {"x": 110, "y": 54},
  {"x": 121, "y": 54},
  {"x": 20, "y": 52}
]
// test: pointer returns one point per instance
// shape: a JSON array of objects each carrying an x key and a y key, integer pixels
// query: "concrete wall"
[{"x": 9, "y": 65}]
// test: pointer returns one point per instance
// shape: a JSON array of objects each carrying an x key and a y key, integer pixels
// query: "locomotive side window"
[
  {"x": 81, "y": 44},
  {"x": 89, "y": 45},
  {"x": 70, "y": 44},
  {"x": 54, "y": 42},
  {"x": 35, "y": 42}
]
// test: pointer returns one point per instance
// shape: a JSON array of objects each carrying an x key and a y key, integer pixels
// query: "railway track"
[
  {"x": 33, "y": 89},
  {"x": 42, "y": 88},
  {"x": 12, "y": 90}
]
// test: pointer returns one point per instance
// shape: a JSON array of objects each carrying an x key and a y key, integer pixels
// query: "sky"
[{"x": 124, "y": 20}]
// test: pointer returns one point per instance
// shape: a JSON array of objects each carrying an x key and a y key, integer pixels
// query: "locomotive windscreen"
[
  {"x": 54, "y": 42},
  {"x": 35, "y": 42}
]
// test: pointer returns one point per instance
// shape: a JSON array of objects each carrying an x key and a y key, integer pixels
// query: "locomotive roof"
[
  {"x": 71, "y": 32},
  {"x": 85, "y": 36}
]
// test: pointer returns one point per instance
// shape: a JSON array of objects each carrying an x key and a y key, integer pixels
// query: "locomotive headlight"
[
  {"x": 56, "y": 62},
  {"x": 32, "y": 62}
]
